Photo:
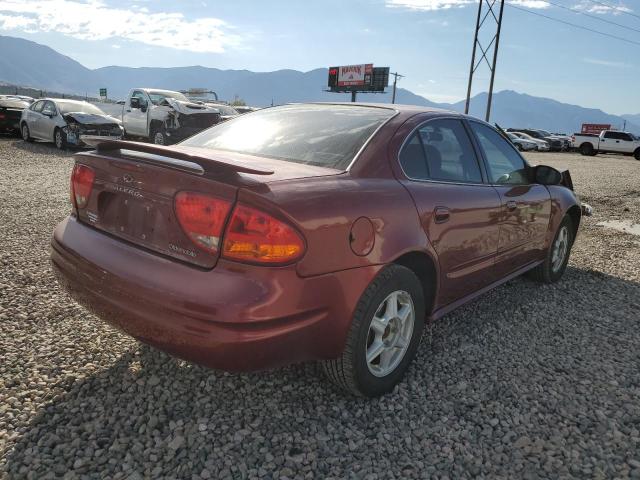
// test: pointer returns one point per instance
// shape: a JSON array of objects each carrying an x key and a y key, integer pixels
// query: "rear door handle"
[
  {"x": 441, "y": 214},
  {"x": 511, "y": 205}
]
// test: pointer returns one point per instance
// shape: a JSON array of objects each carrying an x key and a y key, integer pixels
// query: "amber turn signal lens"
[{"x": 255, "y": 236}]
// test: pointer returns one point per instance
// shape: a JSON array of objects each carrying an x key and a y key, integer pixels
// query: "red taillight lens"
[
  {"x": 202, "y": 218},
  {"x": 81, "y": 184},
  {"x": 256, "y": 236}
]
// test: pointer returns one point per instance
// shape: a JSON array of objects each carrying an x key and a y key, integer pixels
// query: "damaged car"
[
  {"x": 10, "y": 113},
  {"x": 164, "y": 116},
  {"x": 67, "y": 123}
]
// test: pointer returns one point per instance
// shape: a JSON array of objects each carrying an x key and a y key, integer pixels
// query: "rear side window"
[
  {"x": 440, "y": 150},
  {"x": 322, "y": 135},
  {"x": 504, "y": 163}
]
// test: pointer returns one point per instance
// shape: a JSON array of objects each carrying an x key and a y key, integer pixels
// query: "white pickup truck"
[
  {"x": 164, "y": 117},
  {"x": 609, "y": 141}
]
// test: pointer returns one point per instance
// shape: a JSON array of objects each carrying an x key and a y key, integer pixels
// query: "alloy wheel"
[
  {"x": 560, "y": 248},
  {"x": 158, "y": 138},
  {"x": 59, "y": 139},
  {"x": 25, "y": 132},
  {"x": 390, "y": 333}
]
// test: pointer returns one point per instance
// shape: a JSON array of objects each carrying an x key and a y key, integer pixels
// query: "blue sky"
[{"x": 429, "y": 41}]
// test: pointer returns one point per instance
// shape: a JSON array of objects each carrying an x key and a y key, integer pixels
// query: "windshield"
[
  {"x": 323, "y": 135},
  {"x": 512, "y": 136},
  {"x": 81, "y": 107},
  {"x": 158, "y": 96},
  {"x": 545, "y": 133}
]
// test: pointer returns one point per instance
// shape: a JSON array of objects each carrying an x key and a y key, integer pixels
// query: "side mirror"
[
  {"x": 135, "y": 102},
  {"x": 545, "y": 175}
]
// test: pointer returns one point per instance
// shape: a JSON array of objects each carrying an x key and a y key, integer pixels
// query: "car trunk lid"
[{"x": 135, "y": 185}]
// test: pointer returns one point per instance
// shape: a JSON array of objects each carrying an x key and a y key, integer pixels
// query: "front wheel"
[
  {"x": 636, "y": 154},
  {"x": 555, "y": 263},
  {"x": 520, "y": 147},
  {"x": 60, "y": 139},
  {"x": 159, "y": 137},
  {"x": 384, "y": 335}
]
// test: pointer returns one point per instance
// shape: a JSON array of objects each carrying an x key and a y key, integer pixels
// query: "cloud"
[
  {"x": 94, "y": 20},
  {"x": 606, "y": 63},
  {"x": 430, "y": 5},
  {"x": 603, "y": 9}
]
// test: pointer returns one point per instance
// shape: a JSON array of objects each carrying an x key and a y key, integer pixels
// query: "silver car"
[
  {"x": 522, "y": 144},
  {"x": 67, "y": 122},
  {"x": 541, "y": 145}
]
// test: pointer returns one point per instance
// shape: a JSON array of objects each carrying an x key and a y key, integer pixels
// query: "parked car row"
[
  {"x": 159, "y": 116},
  {"x": 554, "y": 143}
]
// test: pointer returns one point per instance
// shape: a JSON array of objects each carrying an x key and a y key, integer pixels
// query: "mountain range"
[{"x": 27, "y": 63}]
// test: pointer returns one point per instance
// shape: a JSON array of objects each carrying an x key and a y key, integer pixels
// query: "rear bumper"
[{"x": 235, "y": 317}]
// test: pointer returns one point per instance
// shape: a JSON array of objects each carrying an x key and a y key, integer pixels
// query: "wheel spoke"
[
  {"x": 404, "y": 313},
  {"x": 379, "y": 325},
  {"x": 376, "y": 348},
  {"x": 392, "y": 307},
  {"x": 386, "y": 356},
  {"x": 401, "y": 342}
]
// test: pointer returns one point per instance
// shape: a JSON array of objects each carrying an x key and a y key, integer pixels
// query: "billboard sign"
[
  {"x": 594, "y": 128},
  {"x": 355, "y": 75},
  {"x": 358, "y": 78}
]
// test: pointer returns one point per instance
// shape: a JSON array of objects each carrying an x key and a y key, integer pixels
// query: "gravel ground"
[{"x": 529, "y": 381}]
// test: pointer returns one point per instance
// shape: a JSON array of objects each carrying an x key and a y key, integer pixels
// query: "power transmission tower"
[{"x": 489, "y": 7}]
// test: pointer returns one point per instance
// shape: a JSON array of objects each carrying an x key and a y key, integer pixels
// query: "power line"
[
  {"x": 613, "y": 7},
  {"x": 575, "y": 25},
  {"x": 580, "y": 12}
]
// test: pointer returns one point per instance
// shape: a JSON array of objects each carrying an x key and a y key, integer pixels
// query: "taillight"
[
  {"x": 255, "y": 236},
  {"x": 202, "y": 218},
  {"x": 81, "y": 184}
]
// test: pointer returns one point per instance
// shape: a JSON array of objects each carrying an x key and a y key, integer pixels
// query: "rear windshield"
[{"x": 323, "y": 135}]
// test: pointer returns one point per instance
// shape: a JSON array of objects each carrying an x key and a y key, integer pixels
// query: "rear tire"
[
  {"x": 555, "y": 263},
  {"x": 384, "y": 335},
  {"x": 587, "y": 149},
  {"x": 26, "y": 134}
]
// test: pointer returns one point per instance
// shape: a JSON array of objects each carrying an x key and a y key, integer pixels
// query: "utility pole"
[
  {"x": 495, "y": 42},
  {"x": 395, "y": 81}
]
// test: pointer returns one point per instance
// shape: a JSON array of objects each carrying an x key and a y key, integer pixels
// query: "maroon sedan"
[{"x": 327, "y": 232}]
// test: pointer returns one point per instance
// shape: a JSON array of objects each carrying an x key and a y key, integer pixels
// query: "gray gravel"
[{"x": 529, "y": 381}]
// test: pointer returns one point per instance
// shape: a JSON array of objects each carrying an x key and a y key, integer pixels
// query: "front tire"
[
  {"x": 555, "y": 263},
  {"x": 159, "y": 137},
  {"x": 384, "y": 335},
  {"x": 60, "y": 139},
  {"x": 636, "y": 154}
]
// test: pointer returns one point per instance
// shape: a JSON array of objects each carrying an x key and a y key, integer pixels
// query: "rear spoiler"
[{"x": 189, "y": 159}]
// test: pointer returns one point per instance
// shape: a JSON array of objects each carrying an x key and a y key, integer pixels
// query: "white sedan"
[{"x": 67, "y": 122}]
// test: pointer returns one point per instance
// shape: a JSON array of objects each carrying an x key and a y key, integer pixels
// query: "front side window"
[
  {"x": 142, "y": 100},
  {"x": 37, "y": 107},
  {"x": 441, "y": 150},
  {"x": 322, "y": 135},
  {"x": 504, "y": 163}
]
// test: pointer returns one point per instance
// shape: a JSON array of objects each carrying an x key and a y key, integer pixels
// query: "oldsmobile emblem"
[{"x": 127, "y": 178}]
